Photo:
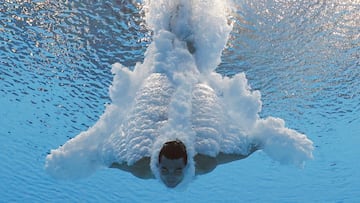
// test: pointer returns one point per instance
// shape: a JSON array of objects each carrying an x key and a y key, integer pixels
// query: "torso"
[{"x": 150, "y": 112}]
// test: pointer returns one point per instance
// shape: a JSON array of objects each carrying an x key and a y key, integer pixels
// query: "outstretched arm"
[
  {"x": 205, "y": 164},
  {"x": 223, "y": 158},
  {"x": 140, "y": 169}
]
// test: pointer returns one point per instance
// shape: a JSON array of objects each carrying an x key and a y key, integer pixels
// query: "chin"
[{"x": 171, "y": 185}]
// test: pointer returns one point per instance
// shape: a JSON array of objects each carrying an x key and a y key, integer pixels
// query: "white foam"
[
  {"x": 203, "y": 22},
  {"x": 176, "y": 94}
]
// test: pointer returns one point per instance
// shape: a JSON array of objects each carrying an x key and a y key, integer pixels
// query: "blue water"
[{"x": 55, "y": 62}]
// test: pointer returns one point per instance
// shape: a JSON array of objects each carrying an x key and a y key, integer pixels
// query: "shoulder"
[
  {"x": 140, "y": 169},
  {"x": 223, "y": 158},
  {"x": 204, "y": 164}
]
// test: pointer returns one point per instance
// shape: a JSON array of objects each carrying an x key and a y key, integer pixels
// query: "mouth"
[{"x": 171, "y": 183}]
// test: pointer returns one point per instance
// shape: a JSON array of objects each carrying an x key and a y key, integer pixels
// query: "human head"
[{"x": 172, "y": 162}]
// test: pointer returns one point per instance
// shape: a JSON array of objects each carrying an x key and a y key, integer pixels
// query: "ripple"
[
  {"x": 61, "y": 52},
  {"x": 55, "y": 61},
  {"x": 303, "y": 56}
]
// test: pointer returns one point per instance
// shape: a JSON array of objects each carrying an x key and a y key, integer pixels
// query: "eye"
[
  {"x": 178, "y": 171},
  {"x": 164, "y": 170}
]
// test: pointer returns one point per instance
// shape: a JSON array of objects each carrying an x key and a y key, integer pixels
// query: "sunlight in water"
[
  {"x": 130, "y": 130},
  {"x": 75, "y": 72}
]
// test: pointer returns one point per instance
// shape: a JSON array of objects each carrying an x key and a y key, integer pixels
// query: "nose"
[
  {"x": 171, "y": 177},
  {"x": 171, "y": 172},
  {"x": 171, "y": 182}
]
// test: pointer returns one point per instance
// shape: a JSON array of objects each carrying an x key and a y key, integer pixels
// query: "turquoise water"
[{"x": 56, "y": 58}]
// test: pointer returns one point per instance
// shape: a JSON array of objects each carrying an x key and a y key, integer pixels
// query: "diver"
[
  {"x": 168, "y": 153},
  {"x": 172, "y": 161},
  {"x": 171, "y": 120}
]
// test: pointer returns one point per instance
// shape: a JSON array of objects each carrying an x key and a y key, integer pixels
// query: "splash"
[{"x": 175, "y": 93}]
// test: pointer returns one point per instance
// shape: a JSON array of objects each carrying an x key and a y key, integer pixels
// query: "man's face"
[{"x": 171, "y": 171}]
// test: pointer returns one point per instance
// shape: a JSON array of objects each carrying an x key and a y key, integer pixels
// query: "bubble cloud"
[{"x": 176, "y": 94}]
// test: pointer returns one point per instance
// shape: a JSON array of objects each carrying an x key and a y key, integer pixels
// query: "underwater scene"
[{"x": 264, "y": 97}]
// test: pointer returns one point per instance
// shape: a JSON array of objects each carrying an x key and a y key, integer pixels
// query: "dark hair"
[{"x": 174, "y": 150}]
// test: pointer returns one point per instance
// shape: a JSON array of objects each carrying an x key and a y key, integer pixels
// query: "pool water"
[{"x": 55, "y": 71}]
